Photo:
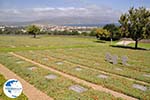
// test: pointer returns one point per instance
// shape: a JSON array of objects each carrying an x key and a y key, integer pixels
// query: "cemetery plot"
[
  {"x": 135, "y": 58},
  {"x": 78, "y": 68},
  {"x": 59, "y": 88},
  {"x": 115, "y": 83},
  {"x": 78, "y": 88},
  {"x": 108, "y": 57},
  {"x": 83, "y": 59},
  {"x": 45, "y": 59},
  {"x": 102, "y": 76},
  {"x": 27, "y": 43},
  {"x": 31, "y": 68},
  {"x": 140, "y": 87},
  {"x": 19, "y": 62},
  {"x": 147, "y": 75},
  {"x": 115, "y": 59},
  {"x": 51, "y": 76},
  {"x": 59, "y": 63},
  {"x": 125, "y": 60},
  {"x": 118, "y": 69}
]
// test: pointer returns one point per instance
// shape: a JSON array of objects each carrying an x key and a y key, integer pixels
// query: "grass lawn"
[
  {"x": 20, "y": 43},
  {"x": 87, "y": 52},
  {"x": 114, "y": 83},
  {"x": 141, "y": 45},
  {"x": 57, "y": 88}
]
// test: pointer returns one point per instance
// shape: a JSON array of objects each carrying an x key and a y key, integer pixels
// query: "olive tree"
[
  {"x": 136, "y": 24},
  {"x": 33, "y": 29}
]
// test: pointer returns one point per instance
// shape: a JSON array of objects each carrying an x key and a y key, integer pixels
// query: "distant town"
[{"x": 44, "y": 28}]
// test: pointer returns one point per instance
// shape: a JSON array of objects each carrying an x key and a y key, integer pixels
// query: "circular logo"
[{"x": 12, "y": 88}]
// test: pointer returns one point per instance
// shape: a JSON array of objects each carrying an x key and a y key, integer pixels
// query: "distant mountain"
[
  {"x": 73, "y": 21},
  {"x": 15, "y": 23}
]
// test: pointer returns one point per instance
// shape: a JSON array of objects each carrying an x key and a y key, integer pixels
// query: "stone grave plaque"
[
  {"x": 20, "y": 62},
  {"x": 45, "y": 59},
  {"x": 118, "y": 69},
  {"x": 51, "y": 76},
  {"x": 108, "y": 57},
  {"x": 31, "y": 68},
  {"x": 78, "y": 88},
  {"x": 140, "y": 87},
  {"x": 146, "y": 75},
  {"x": 59, "y": 63},
  {"x": 103, "y": 76},
  {"x": 78, "y": 68},
  {"x": 114, "y": 59},
  {"x": 124, "y": 60}
]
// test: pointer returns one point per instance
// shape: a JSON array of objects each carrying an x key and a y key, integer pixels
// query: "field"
[{"x": 81, "y": 57}]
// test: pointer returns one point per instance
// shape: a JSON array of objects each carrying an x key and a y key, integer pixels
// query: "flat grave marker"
[
  {"x": 146, "y": 75},
  {"x": 45, "y": 59},
  {"x": 51, "y": 76},
  {"x": 31, "y": 68},
  {"x": 78, "y": 88},
  {"x": 59, "y": 63},
  {"x": 78, "y": 68},
  {"x": 20, "y": 62},
  {"x": 140, "y": 87},
  {"x": 118, "y": 69},
  {"x": 103, "y": 76}
]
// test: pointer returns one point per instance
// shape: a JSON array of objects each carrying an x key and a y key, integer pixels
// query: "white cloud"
[
  {"x": 93, "y": 12},
  {"x": 42, "y": 9}
]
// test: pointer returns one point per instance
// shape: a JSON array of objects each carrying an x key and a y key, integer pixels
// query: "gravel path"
[
  {"x": 125, "y": 43},
  {"x": 92, "y": 85},
  {"x": 29, "y": 90}
]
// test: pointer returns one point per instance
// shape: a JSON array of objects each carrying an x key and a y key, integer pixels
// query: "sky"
[{"x": 89, "y": 10}]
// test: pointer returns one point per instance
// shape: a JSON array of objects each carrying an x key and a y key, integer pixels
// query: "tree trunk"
[
  {"x": 34, "y": 35},
  {"x": 136, "y": 44}
]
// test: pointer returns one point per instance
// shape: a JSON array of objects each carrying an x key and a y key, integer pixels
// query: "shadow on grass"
[
  {"x": 99, "y": 41},
  {"x": 128, "y": 47}
]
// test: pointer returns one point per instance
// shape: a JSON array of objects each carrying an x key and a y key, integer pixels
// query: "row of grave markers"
[
  {"x": 114, "y": 59},
  {"x": 80, "y": 89}
]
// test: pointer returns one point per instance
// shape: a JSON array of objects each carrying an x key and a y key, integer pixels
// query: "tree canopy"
[
  {"x": 136, "y": 24},
  {"x": 114, "y": 31},
  {"x": 33, "y": 29},
  {"x": 102, "y": 33}
]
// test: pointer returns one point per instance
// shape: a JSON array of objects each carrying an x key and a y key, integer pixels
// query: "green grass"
[
  {"x": 114, "y": 83},
  {"x": 88, "y": 52},
  {"x": 3, "y": 96},
  {"x": 19, "y": 43},
  {"x": 137, "y": 64},
  {"x": 58, "y": 88},
  {"x": 141, "y": 45}
]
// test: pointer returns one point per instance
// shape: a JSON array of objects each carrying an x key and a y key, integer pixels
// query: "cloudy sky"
[{"x": 94, "y": 10}]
